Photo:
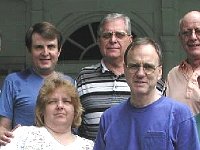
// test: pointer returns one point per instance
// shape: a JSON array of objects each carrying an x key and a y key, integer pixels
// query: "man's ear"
[
  {"x": 131, "y": 39},
  {"x": 179, "y": 36},
  {"x": 160, "y": 73},
  {"x": 59, "y": 52}
]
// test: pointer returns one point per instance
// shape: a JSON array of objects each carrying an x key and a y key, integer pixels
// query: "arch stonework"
[
  {"x": 158, "y": 19},
  {"x": 72, "y": 22}
]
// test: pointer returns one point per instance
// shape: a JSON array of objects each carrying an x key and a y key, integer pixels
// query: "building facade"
[{"x": 78, "y": 21}]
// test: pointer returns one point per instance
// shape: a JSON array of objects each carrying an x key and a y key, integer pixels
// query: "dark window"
[{"x": 82, "y": 44}]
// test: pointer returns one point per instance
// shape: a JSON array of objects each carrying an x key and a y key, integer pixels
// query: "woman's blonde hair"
[{"x": 51, "y": 83}]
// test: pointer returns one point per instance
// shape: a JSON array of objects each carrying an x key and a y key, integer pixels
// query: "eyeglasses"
[
  {"x": 147, "y": 68},
  {"x": 189, "y": 32},
  {"x": 118, "y": 34}
]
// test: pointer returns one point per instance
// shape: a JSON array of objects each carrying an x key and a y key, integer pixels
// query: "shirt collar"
[
  {"x": 104, "y": 68},
  {"x": 186, "y": 68}
]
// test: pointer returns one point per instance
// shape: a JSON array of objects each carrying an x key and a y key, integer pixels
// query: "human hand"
[{"x": 5, "y": 136}]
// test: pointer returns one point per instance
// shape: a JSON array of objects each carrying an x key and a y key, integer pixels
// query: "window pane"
[
  {"x": 93, "y": 54},
  {"x": 82, "y": 41},
  {"x": 70, "y": 52},
  {"x": 82, "y": 36}
]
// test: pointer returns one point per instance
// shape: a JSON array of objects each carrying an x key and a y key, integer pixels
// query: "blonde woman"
[{"x": 58, "y": 110}]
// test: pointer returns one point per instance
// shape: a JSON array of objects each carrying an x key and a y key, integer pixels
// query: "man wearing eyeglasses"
[
  {"x": 182, "y": 82},
  {"x": 146, "y": 120},
  {"x": 103, "y": 85}
]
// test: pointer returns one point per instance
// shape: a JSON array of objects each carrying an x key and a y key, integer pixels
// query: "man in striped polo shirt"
[{"x": 103, "y": 85}]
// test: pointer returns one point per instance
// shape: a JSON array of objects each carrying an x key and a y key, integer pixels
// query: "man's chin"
[
  {"x": 139, "y": 90},
  {"x": 45, "y": 70}
]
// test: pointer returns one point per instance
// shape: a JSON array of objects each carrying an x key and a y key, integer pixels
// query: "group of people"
[{"x": 117, "y": 104}]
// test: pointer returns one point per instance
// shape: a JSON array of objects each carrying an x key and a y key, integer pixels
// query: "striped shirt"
[{"x": 99, "y": 89}]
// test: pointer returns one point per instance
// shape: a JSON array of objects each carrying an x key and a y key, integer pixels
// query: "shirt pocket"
[{"x": 154, "y": 141}]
